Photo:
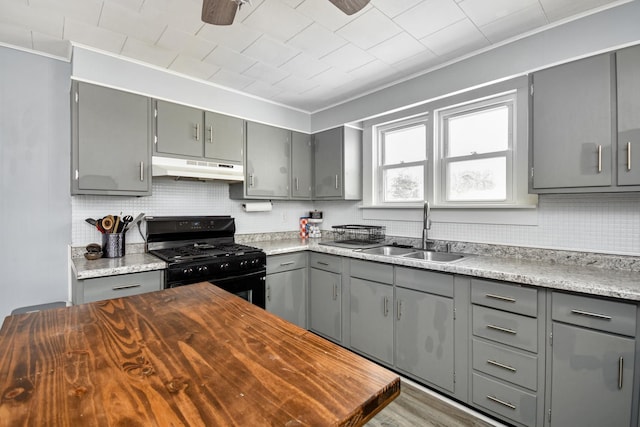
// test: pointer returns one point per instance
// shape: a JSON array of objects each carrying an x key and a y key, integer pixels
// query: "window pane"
[
  {"x": 479, "y": 132},
  {"x": 403, "y": 184},
  {"x": 477, "y": 180},
  {"x": 405, "y": 145}
]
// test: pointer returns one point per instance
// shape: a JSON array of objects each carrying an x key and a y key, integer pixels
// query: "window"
[
  {"x": 476, "y": 146},
  {"x": 402, "y": 157}
]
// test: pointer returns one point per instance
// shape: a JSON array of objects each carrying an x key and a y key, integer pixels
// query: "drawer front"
[
  {"x": 506, "y": 328},
  {"x": 605, "y": 315},
  {"x": 382, "y": 273},
  {"x": 121, "y": 286},
  {"x": 425, "y": 281},
  {"x": 286, "y": 262},
  {"x": 326, "y": 262},
  {"x": 509, "y": 365},
  {"x": 503, "y": 399},
  {"x": 504, "y": 296}
]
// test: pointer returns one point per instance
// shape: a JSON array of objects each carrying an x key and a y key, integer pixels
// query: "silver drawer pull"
[
  {"x": 501, "y": 402},
  {"x": 500, "y": 297},
  {"x": 589, "y": 314},
  {"x": 501, "y": 329},
  {"x": 268, "y": 293},
  {"x": 599, "y": 158},
  {"x": 284, "y": 264},
  {"x": 120, "y": 288},
  {"x": 385, "y": 306},
  {"x": 322, "y": 263},
  {"x": 500, "y": 365},
  {"x": 628, "y": 156},
  {"x": 620, "y": 369}
]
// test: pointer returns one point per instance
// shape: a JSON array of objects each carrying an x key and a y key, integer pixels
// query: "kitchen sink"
[
  {"x": 388, "y": 251},
  {"x": 434, "y": 256}
]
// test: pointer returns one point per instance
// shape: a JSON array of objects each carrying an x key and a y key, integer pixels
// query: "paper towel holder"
[{"x": 265, "y": 206}]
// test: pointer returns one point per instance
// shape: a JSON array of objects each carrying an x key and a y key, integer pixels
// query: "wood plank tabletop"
[{"x": 189, "y": 356}]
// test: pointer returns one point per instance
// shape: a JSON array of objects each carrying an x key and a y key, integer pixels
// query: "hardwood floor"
[{"x": 415, "y": 407}]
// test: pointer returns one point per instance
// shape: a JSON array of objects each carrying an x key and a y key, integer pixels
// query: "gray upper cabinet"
[
  {"x": 179, "y": 130},
  {"x": 111, "y": 142},
  {"x": 338, "y": 164},
  {"x": 301, "y": 165},
  {"x": 573, "y": 124},
  {"x": 224, "y": 137},
  {"x": 628, "y": 81}
]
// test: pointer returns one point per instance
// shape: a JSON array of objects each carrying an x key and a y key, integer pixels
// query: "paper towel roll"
[{"x": 257, "y": 206}]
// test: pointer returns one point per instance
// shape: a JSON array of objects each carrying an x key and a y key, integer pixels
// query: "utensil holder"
[{"x": 113, "y": 245}]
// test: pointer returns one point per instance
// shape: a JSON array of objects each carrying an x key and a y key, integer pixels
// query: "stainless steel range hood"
[{"x": 197, "y": 169}]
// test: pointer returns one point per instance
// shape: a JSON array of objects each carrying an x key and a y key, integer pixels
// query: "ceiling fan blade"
[
  {"x": 350, "y": 6},
  {"x": 219, "y": 12}
]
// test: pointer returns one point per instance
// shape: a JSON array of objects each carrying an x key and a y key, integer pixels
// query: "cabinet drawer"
[
  {"x": 508, "y": 401},
  {"x": 286, "y": 262},
  {"x": 507, "y": 328},
  {"x": 121, "y": 286},
  {"x": 425, "y": 281},
  {"x": 506, "y": 364},
  {"x": 326, "y": 262},
  {"x": 382, "y": 273},
  {"x": 605, "y": 315},
  {"x": 504, "y": 296}
]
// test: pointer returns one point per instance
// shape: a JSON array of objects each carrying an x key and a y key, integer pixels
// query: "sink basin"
[
  {"x": 434, "y": 256},
  {"x": 389, "y": 251}
]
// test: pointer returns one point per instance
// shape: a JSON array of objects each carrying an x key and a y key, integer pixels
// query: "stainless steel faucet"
[{"x": 426, "y": 225}]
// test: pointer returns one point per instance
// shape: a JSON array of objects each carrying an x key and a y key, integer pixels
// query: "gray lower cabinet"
[
  {"x": 592, "y": 363},
  {"x": 338, "y": 164},
  {"x": 111, "y": 142},
  {"x": 101, "y": 288},
  {"x": 286, "y": 287},
  {"x": 301, "y": 166},
  {"x": 325, "y": 296},
  {"x": 628, "y": 85},
  {"x": 424, "y": 326}
]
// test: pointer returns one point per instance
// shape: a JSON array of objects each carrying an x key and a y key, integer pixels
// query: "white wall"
[{"x": 35, "y": 206}]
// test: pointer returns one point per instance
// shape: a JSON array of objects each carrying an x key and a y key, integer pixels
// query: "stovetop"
[{"x": 203, "y": 251}]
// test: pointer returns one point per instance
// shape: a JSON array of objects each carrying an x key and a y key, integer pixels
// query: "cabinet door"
[
  {"x": 111, "y": 141},
  {"x": 328, "y": 163},
  {"x": 301, "y": 168},
  {"x": 287, "y": 295},
  {"x": 224, "y": 137},
  {"x": 591, "y": 378},
  {"x": 325, "y": 303},
  {"x": 424, "y": 336},
  {"x": 268, "y": 158},
  {"x": 179, "y": 129},
  {"x": 572, "y": 124},
  {"x": 372, "y": 319},
  {"x": 628, "y": 68}
]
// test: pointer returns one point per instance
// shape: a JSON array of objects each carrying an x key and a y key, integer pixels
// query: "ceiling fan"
[{"x": 222, "y": 12}]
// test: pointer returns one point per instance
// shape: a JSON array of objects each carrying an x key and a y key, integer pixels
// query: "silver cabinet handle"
[
  {"x": 620, "y": 369},
  {"x": 123, "y": 287},
  {"x": 141, "y": 171},
  {"x": 296, "y": 183},
  {"x": 399, "y": 313},
  {"x": 500, "y": 297},
  {"x": 268, "y": 293},
  {"x": 210, "y": 134},
  {"x": 335, "y": 291},
  {"x": 336, "y": 181},
  {"x": 500, "y": 365},
  {"x": 628, "y": 156},
  {"x": 197, "y": 131},
  {"x": 250, "y": 180},
  {"x": 385, "y": 306},
  {"x": 589, "y": 314},
  {"x": 599, "y": 158},
  {"x": 284, "y": 264},
  {"x": 322, "y": 263},
  {"x": 501, "y": 329},
  {"x": 501, "y": 402}
]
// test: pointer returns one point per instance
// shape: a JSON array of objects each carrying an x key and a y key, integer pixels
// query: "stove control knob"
[
  {"x": 203, "y": 269},
  {"x": 187, "y": 272},
  {"x": 243, "y": 263},
  {"x": 224, "y": 266}
]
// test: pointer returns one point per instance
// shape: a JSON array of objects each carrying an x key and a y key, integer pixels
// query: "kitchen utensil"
[
  {"x": 125, "y": 222},
  {"x": 99, "y": 226},
  {"x": 107, "y": 223},
  {"x": 91, "y": 221},
  {"x": 135, "y": 221},
  {"x": 116, "y": 224}
]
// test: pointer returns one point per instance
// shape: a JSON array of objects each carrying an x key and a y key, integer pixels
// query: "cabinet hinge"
[
  {"x": 454, "y": 316},
  {"x": 549, "y": 415},
  {"x": 155, "y": 139},
  {"x": 77, "y": 175},
  {"x": 76, "y": 97},
  {"x": 454, "y": 377},
  {"x": 531, "y": 173},
  {"x": 551, "y": 339},
  {"x": 531, "y": 90},
  {"x": 155, "y": 113}
]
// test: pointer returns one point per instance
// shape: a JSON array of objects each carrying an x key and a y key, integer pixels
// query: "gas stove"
[{"x": 200, "y": 251}]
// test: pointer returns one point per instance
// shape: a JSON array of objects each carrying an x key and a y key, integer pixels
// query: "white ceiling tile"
[
  {"x": 372, "y": 71},
  {"x": 289, "y": 21},
  {"x": 38, "y": 19},
  {"x": 462, "y": 37},
  {"x": 15, "y": 35},
  {"x": 514, "y": 24},
  {"x": 231, "y": 79},
  {"x": 92, "y": 35},
  {"x": 347, "y": 58},
  {"x": 188, "y": 44},
  {"x": 237, "y": 36},
  {"x": 482, "y": 12},
  {"x": 263, "y": 90},
  {"x": 393, "y": 8},
  {"x": 229, "y": 59},
  {"x": 193, "y": 67},
  {"x": 122, "y": 20},
  {"x": 86, "y": 11},
  {"x": 296, "y": 85},
  {"x": 326, "y": 14},
  {"x": 184, "y": 15},
  {"x": 560, "y": 9},
  {"x": 270, "y": 51},
  {"x": 52, "y": 45},
  {"x": 266, "y": 73},
  {"x": 135, "y": 5},
  {"x": 369, "y": 29},
  {"x": 397, "y": 48},
  {"x": 304, "y": 66},
  {"x": 246, "y": 10},
  {"x": 332, "y": 78},
  {"x": 147, "y": 52},
  {"x": 429, "y": 16},
  {"x": 292, "y": 3},
  {"x": 317, "y": 41},
  {"x": 417, "y": 63}
]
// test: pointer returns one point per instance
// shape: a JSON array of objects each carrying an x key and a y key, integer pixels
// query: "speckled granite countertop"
[
  {"x": 576, "y": 278},
  {"x": 130, "y": 263}
]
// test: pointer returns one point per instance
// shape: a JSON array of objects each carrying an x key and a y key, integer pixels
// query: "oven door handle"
[{"x": 261, "y": 273}]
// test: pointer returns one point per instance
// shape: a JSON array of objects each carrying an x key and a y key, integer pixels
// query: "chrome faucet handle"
[{"x": 427, "y": 216}]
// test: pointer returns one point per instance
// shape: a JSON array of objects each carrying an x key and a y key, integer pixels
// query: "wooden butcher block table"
[{"x": 189, "y": 356}]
